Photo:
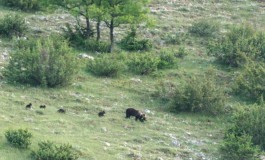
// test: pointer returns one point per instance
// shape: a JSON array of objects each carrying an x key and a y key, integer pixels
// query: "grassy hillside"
[{"x": 165, "y": 135}]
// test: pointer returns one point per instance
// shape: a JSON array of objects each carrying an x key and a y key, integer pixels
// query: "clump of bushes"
[
  {"x": 167, "y": 60},
  {"x": 48, "y": 150},
  {"x": 144, "y": 63},
  {"x": 106, "y": 65},
  {"x": 78, "y": 38},
  {"x": 245, "y": 138},
  {"x": 20, "y": 138},
  {"x": 250, "y": 121},
  {"x": 250, "y": 82},
  {"x": 131, "y": 42},
  {"x": 200, "y": 94},
  {"x": 47, "y": 62},
  {"x": 182, "y": 52},
  {"x": 238, "y": 46},
  {"x": 239, "y": 148},
  {"x": 96, "y": 46},
  {"x": 25, "y": 5},
  {"x": 204, "y": 28},
  {"x": 12, "y": 25}
]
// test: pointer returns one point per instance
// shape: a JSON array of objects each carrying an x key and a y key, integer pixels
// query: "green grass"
[{"x": 164, "y": 135}]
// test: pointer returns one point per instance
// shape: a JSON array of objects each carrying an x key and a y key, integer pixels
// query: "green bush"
[
  {"x": 47, "y": 62},
  {"x": 106, "y": 65},
  {"x": 96, "y": 46},
  {"x": 49, "y": 151},
  {"x": 12, "y": 25},
  {"x": 143, "y": 63},
  {"x": 165, "y": 90},
  {"x": 239, "y": 148},
  {"x": 25, "y": 5},
  {"x": 200, "y": 94},
  {"x": 175, "y": 38},
  {"x": 167, "y": 60},
  {"x": 250, "y": 83},
  {"x": 204, "y": 28},
  {"x": 251, "y": 122},
  {"x": 19, "y": 138},
  {"x": 182, "y": 52},
  {"x": 78, "y": 38},
  {"x": 238, "y": 46},
  {"x": 131, "y": 43}
]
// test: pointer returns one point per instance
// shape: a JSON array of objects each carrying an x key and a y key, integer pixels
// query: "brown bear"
[
  {"x": 100, "y": 114},
  {"x": 42, "y": 106},
  {"x": 29, "y": 106},
  {"x": 133, "y": 112},
  {"x": 61, "y": 110}
]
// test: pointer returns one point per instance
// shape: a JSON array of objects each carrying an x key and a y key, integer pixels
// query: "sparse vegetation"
[{"x": 205, "y": 28}]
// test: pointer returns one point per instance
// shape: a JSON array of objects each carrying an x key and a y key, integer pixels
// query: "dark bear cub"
[
  {"x": 42, "y": 106},
  {"x": 137, "y": 114},
  {"x": 29, "y": 106},
  {"x": 61, "y": 110},
  {"x": 101, "y": 114}
]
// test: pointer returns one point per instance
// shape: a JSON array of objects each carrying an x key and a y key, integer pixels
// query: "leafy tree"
[{"x": 123, "y": 12}]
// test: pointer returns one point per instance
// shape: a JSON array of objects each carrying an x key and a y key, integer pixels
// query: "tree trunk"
[
  {"x": 111, "y": 27},
  {"x": 87, "y": 28},
  {"x": 98, "y": 29}
]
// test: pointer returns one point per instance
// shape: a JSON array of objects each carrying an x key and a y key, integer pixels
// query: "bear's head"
[{"x": 142, "y": 117}]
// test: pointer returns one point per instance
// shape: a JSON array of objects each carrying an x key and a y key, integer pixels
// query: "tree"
[
  {"x": 123, "y": 12},
  {"x": 79, "y": 8}
]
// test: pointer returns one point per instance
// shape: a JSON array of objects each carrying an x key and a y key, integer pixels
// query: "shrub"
[
  {"x": 131, "y": 43},
  {"x": 12, "y": 25},
  {"x": 239, "y": 45},
  {"x": 200, "y": 94},
  {"x": 46, "y": 62},
  {"x": 250, "y": 83},
  {"x": 78, "y": 38},
  {"x": 18, "y": 138},
  {"x": 251, "y": 122},
  {"x": 25, "y": 5},
  {"x": 182, "y": 52},
  {"x": 106, "y": 65},
  {"x": 96, "y": 46},
  {"x": 143, "y": 64},
  {"x": 239, "y": 148},
  {"x": 165, "y": 90},
  {"x": 175, "y": 38},
  {"x": 204, "y": 28},
  {"x": 167, "y": 60},
  {"x": 48, "y": 150}
]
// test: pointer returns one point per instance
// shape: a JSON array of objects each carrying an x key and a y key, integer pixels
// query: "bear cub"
[
  {"x": 101, "y": 114},
  {"x": 137, "y": 114}
]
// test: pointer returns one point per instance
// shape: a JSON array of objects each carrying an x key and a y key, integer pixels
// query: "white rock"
[
  {"x": 136, "y": 80},
  {"x": 176, "y": 143},
  {"x": 84, "y": 55},
  {"x": 107, "y": 144}
]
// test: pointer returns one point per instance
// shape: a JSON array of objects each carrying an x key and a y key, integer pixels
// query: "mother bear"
[{"x": 133, "y": 112}]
